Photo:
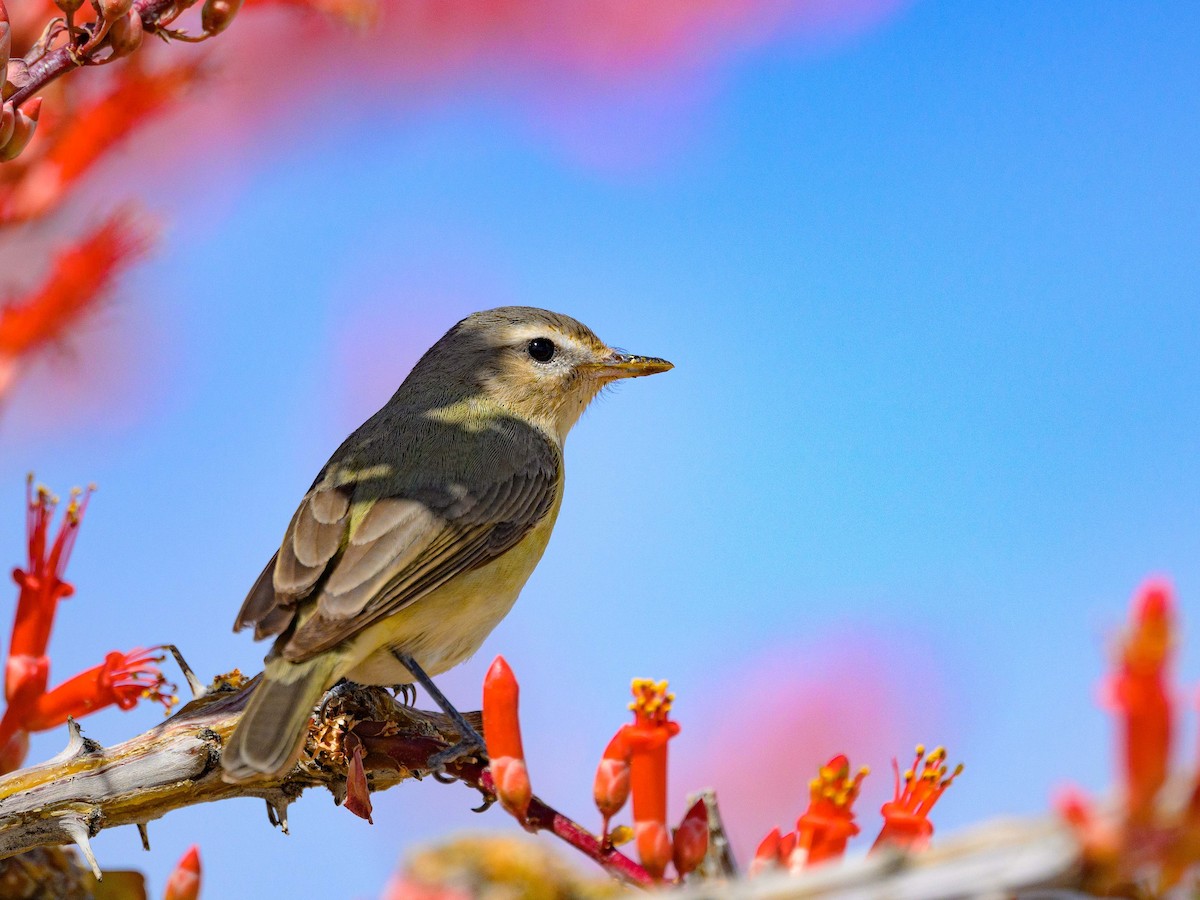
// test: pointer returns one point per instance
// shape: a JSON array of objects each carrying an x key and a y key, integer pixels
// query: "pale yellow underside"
[{"x": 446, "y": 627}]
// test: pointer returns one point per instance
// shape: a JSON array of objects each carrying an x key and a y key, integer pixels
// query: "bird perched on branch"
[{"x": 419, "y": 533}]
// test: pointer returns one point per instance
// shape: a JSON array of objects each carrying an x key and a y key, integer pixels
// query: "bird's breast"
[{"x": 447, "y": 626}]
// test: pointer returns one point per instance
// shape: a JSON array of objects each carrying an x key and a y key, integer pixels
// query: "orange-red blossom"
[
  {"x": 906, "y": 816},
  {"x": 635, "y": 761},
  {"x": 1139, "y": 691},
  {"x": 824, "y": 828},
  {"x": 121, "y": 680}
]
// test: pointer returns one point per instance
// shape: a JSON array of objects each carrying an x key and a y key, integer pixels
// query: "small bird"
[{"x": 419, "y": 533}]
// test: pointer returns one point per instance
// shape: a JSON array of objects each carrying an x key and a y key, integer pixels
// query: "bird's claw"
[
  {"x": 405, "y": 694},
  {"x": 464, "y": 748},
  {"x": 342, "y": 687}
]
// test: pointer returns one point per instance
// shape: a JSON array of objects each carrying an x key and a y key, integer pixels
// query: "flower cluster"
[
  {"x": 823, "y": 829},
  {"x": 41, "y": 40},
  {"x": 121, "y": 680},
  {"x": 634, "y": 763}
]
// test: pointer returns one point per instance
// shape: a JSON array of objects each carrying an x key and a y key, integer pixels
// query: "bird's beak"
[{"x": 626, "y": 365}]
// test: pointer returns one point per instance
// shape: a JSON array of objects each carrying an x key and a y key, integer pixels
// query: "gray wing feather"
[
  {"x": 459, "y": 531},
  {"x": 260, "y": 600},
  {"x": 318, "y": 527},
  {"x": 335, "y": 573},
  {"x": 367, "y": 563},
  {"x": 313, "y": 538}
]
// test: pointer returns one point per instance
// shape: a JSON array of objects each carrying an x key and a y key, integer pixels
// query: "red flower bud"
[
  {"x": 358, "y": 792},
  {"x": 216, "y": 15},
  {"x": 767, "y": 855},
  {"x": 184, "y": 883},
  {"x": 8, "y": 117},
  {"x": 691, "y": 839},
  {"x": 1140, "y": 693},
  {"x": 125, "y": 33},
  {"x": 611, "y": 788},
  {"x": 502, "y": 733},
  {"x": 5, "y": 43},
  {"x": 112, "y": 10},
  {"x": 23, "y": 128}
]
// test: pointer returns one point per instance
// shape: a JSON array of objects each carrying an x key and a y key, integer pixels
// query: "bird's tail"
[{"x": 270, "y": 735}]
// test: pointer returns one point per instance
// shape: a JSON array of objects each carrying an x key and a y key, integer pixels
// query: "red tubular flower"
[
  {"x": 121, "y": 680},
  {"x": 42, "y": 586},
  {"x": 690, "y": 840},
  {"x": 502, "y": 732},
  {"x": 647, "y": 739},
  {"x": 184, "y": 883},
  {"x": 78, "y": 280},
  {"x": 13, "y": 753},
  {"x": 41, "y": 581},
  {"x": 824, "y": 828},
  {"x": 92, "y": 130},
  {"x": 906, "y": 817},
  {"x": 1139, "y": 691}
]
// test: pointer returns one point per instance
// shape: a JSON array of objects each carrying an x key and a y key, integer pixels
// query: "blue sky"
[{"x": 931, "y": 292}]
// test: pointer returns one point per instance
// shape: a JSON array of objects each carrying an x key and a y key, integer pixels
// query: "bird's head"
[{"x": 540, "y": 366}]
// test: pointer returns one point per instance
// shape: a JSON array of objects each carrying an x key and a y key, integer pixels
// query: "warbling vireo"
[{"x": 420, "y": 531}]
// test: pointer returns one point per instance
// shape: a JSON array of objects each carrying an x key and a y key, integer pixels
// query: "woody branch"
[
  {"x": 42, "y": 65},
  {"x": 87, "y": 788}
]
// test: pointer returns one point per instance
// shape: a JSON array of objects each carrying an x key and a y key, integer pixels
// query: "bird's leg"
[{"x": 469, "y": 743}]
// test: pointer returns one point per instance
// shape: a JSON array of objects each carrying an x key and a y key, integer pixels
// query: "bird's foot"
[
  {"x": 405, "y": 694},
  {"x": 470, "y": 746},
  {"x": 338, "y": 690}
]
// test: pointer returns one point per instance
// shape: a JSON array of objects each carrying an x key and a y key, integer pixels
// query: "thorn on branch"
[
  {"x": 198, "y": 687},
  {"x": 77, "y": 744},
  {"x": 77, "y": 829},
  {"x": 277, "y": 813},
  {"x": 144, "y": 834}
]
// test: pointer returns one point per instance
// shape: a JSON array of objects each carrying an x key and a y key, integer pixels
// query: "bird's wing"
[
  {"x": 400, "y": 536},
  {"x": 313, "y": 538}
]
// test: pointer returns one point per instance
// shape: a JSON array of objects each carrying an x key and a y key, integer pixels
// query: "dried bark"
[{"x": 87, "y": 788}]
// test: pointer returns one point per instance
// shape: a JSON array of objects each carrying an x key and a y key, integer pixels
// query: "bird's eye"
[{"x": 542, "y": 349}]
